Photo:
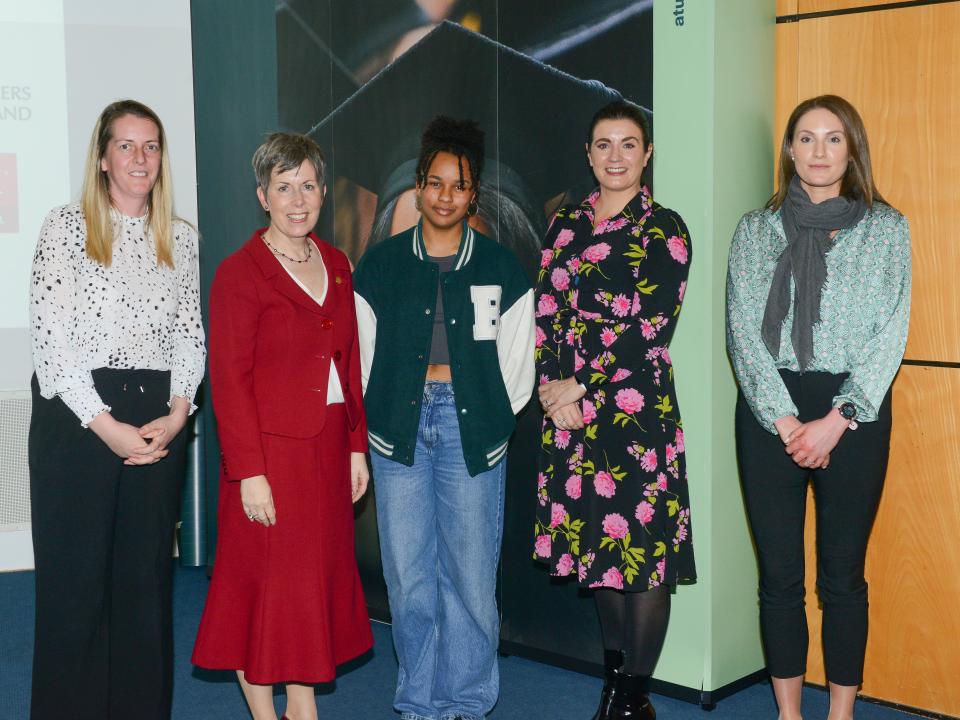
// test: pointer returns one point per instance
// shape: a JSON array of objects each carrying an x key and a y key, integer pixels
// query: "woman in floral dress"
[{"x": 613, "y": 508}]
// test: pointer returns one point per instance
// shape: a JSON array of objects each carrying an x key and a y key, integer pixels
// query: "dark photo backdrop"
[{"x": 364, "y": 77}]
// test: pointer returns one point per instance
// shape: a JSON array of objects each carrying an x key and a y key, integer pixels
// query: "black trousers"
[
  {"x": 847, "y": 494},
  {"x": 103, "y": 541}
]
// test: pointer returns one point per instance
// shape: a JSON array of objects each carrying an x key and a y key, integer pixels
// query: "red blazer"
[{"x": 270, "y": 346}]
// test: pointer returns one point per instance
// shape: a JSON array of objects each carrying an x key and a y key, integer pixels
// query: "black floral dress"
[{"x": 613, "y": 507}]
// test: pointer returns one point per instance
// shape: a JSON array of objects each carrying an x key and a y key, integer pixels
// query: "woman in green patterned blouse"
[{"x": 818, "y": 302}]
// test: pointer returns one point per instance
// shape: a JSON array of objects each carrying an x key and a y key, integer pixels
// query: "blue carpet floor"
[{"x": 529, "y": 690}]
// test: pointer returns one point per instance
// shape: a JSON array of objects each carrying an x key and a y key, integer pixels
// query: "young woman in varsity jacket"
[{"x": 446, "y": 329}]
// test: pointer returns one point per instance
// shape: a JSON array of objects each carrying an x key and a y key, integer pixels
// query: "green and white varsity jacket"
[{"x": 489, "y": 316}]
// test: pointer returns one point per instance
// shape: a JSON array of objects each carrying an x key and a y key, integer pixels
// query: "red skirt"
[{"x": 285, "y": 603}]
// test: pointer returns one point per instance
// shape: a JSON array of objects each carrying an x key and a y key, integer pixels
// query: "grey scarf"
[{"x": 807, "y": 227}]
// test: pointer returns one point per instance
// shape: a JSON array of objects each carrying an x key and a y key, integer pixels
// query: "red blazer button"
[
  {"x": 326, "y": 323},
  {"x": 336, "y": 355}
]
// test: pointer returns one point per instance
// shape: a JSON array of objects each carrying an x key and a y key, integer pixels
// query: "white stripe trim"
[
  {"x": 382, "y": 450},
  {"x": 379, "y": 440},
  {"x": 416, "y": 243},
  {"x": 494, "y": 460},
  {"x": 467, "y": 251},
  {"x": 497, "y": 449}
]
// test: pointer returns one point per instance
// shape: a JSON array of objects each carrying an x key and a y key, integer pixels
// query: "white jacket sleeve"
[{"x": 515, "y": 347}]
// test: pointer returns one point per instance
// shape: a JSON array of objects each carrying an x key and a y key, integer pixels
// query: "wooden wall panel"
[
  {"x": 913, "y": 562},
  {"x": 809, "y": 6},
  {"x": 787, "y": 7},
  {"x": 901, "y": 68}
]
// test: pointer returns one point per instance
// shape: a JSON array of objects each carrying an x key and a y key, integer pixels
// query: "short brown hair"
[
  {"x": 286, "y": 151},
  {"x": 858, "y": 179}
]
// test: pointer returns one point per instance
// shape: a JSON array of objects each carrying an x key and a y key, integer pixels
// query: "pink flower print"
[
  {"x": 573, "y": 265},
  {"x": 581, "y": 572},
  {"x": 635, "y": 307},
  {"x": 615, "y": 525},
  {"x": 562, "y": 438},
  {"x": 596, "y": 253},
  {"x": 541, "y": 481},
  {"x": 563, "y": 238},
  {"x": 661, "y": 481},
  {"x": 541, "y": 337},
  {"x": 607, "y": 337},
  {"x": 613, "y": 579},
  {"x": 570, "y": 336},
  {"x": 589, "y": 412},
  {"x": 629, "y": 400},
  {"x": 621, "y": 374},
  {"x": 662, "y": 568},
  {"x": 573, "y": 487},
  {"x": 544, "y": 379},
  {"x": 644, "y": 512},
  {"x": 683, "y": 290},
  {"x": 604, "y": 485},
  {"x": 678, "y": 249},
  {"x": 678, "y": 439},
  {"x": 647, "y": 329},
  {"x": 557, "y": 513},
  {"x": 560, "y": 279},
  {"x": 565, "y": 565},
  {"x": 666, "y": 356},
  {"x": 596, "y": 364},
  {"x": 617, "y": 224},
  {"x": 542, "y": 546},
  {"x": 546, "y": 305},
  {"x": 681, "y": 533},
  {"x": 620, "y": 305},
  {"x": 649, "y": 460},
  {"x": 578, "y": 362},
  {"x": 670, "y": 452},
  {"x": 653, "y": 353},
  {"x": 546, "y": 257}
]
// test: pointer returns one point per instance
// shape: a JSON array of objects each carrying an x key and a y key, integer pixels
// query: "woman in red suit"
[{"x": 285, "y": 604}]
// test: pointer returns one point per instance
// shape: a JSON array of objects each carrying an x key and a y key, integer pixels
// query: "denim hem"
[
  {"x": 414, "y": 716},
  {"x": 461, "y": 716}
]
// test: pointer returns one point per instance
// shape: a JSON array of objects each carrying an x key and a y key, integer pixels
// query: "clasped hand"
[
  {"x": 810, "y": 444},
  {"x": 139, "y": 446},
  {"x": 560, "y": 400}
]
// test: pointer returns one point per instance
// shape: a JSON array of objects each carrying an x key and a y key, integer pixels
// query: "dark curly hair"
[{"x": 462, "y": 138}]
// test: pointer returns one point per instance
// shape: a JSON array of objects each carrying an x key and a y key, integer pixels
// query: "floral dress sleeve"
[{"x": 554, "y": 353}]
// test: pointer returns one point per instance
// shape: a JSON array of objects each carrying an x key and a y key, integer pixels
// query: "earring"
[{"x": 418, "y": 202}]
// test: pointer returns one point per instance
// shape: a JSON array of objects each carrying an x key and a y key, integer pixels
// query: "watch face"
[{"x": 848, "y": 410}]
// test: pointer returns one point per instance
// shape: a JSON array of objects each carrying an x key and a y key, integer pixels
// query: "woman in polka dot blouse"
[{"x": 118, "y": 350}]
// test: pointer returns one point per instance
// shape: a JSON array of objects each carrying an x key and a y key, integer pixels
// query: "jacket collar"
[
  {"x": 270, "y": 266},
  {"x": 464, "y": 253}
]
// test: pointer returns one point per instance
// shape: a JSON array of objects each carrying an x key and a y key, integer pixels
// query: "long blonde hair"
[{"x": 95, "y": 195}]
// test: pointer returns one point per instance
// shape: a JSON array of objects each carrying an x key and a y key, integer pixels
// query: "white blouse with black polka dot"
[{"x": 131, "y": 315}]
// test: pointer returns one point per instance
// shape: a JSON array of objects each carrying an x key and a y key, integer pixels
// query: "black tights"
[{"x": 636, "y": 624}]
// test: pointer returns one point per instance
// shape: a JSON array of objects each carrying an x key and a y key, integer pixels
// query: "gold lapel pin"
[{"x": 339, "y": 280}]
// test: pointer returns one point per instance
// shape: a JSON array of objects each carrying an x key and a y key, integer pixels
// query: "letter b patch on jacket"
[{"x": 486, "y": 311}]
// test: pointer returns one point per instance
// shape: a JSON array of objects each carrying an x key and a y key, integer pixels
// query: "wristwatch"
[{"x": 848, "y": 411}]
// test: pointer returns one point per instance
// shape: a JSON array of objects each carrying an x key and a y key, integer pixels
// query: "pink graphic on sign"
[{"x": 9, "y": 219}]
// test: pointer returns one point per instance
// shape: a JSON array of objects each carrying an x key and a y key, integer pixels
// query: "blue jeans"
[{"x": 440, "y": 533}]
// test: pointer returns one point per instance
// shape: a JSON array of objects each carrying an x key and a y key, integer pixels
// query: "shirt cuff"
[
  {"x": 85, "y": 403},
  {"x": 188, "y": 398}
]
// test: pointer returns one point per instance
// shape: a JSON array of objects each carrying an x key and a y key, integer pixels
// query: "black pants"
[
  {"x": 102, "y": 541},
  {"x": 847, "y": 494}
]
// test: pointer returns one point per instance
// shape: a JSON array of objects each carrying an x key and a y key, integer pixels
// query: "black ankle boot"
[
  {"x": 612, "y": 661},
  {"x": 630, "y": 699}
]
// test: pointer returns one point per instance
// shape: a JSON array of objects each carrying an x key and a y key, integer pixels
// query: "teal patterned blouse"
[{"x": 864, "y": 312}]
